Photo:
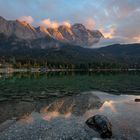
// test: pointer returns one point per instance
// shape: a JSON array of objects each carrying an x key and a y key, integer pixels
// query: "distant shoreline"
[{"x": 39, "y": 70}]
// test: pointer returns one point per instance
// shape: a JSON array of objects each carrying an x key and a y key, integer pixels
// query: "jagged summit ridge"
[{"x": 77, "y": 34}]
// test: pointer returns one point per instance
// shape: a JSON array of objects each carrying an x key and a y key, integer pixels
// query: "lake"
[{"x": 55, "y": 105}]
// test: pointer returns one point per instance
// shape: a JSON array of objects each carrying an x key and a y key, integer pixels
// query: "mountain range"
[
  {"x": 76, "y": 34},
  {"x": 63, "y": 45}
]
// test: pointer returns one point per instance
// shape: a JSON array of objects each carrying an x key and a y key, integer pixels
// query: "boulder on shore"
[{"x": 100, "y": 124}]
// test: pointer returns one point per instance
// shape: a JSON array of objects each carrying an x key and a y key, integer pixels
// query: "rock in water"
[
  {"x": 100, "y": 124},
  {"x": 137, "y": 100}
]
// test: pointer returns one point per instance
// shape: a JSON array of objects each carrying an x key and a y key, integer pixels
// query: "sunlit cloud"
[
  {"x": 89, "y": 23},
  {"x": 54, "y": 24},
  {"x": 137, "y": 39},
  {"x": 109, "y": 32},
  {"x": 66, "y": 23},
  {"x": 27, "y": 19},
  {"x": 50, "y": 24}
]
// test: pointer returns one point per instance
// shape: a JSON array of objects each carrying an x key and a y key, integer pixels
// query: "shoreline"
[{"x": 44, "y": 70}]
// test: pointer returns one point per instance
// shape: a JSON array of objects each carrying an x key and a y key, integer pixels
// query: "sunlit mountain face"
[
  {"x": 117, "y": 20},
  {"x": 76, "y": 34}
]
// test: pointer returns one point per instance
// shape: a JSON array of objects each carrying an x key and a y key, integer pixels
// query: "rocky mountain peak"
[
  {"x": 79, "y": 26},
  {"x": 25, "y": 24},
  {"x": 96, "y": 33},
  {"x": 76, "y": 34},
  {"x": 42, "y": 31},
  {"x": 2, "y": 19},
  {"x": 54, "y": 32},
  {"x": 66, "y": 33},
  {"x": 64, "y": 28}
]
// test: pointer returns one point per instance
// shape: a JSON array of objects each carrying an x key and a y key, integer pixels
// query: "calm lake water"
[{"x": 55, "y": 106}]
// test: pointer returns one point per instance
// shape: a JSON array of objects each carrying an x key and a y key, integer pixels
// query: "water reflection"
[
  {"x": 26, "y": 119},
  {"x": 54, "y": 114},
  {"x": 14, "y": 109},
  {"x": 49, "y": 108},
  {"x": 108, "y": 105},
  {"x": 74, "y": 110},
  {"x": 76, "y": 104},
  {"x": 85, "y": 104},
  {"x": 114, "y": 104}
]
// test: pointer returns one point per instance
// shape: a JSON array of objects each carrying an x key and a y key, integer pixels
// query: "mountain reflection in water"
[
  {"x": 68, "y": 114},
  {"x": 108, "y": 105}
]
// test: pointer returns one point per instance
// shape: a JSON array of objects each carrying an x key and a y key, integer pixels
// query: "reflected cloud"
[
  {"x": 52, "y": 115},
  {"x": 71, "y": 105},
  {"x": 53, "y": 111},
  {"x": 120, "y": 110},
  {"x": 108, "y": 105},
  {"x": 26, "y": 119}
]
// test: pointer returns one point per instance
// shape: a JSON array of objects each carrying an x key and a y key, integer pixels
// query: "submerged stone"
[
  {"x": 100, "y": 124},
  {"x": 3, "y": 99},
  {"x": 137, "y": 100}
]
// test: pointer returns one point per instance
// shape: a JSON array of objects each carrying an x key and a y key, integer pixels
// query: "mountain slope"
[
  {"x": 20, "y": 29},
  {"x": 125, "y": 55}
]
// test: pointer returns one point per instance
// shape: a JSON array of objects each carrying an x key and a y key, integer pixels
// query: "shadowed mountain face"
[
  {"x": 72, "y": 105},
  {"x": 76, "y": 34},
  {"x": 53, "y": 51}
]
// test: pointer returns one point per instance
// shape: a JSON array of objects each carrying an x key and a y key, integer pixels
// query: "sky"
[{"x": 118, "y": 20}]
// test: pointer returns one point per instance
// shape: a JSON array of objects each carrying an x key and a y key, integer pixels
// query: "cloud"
[
  {"x": 107, "y": 41},
  {"x": 109, "y": 32},
  {"x": 129, "y": 26},
  {"x": 89, "y": 23},
  {"x": 54, "y": 24},
  {"x": 66, "y": 23},
  {"x": 50, "y": 24},
  {"x": 28, "y": 19},
  {"x": 136, "y": 39}
]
